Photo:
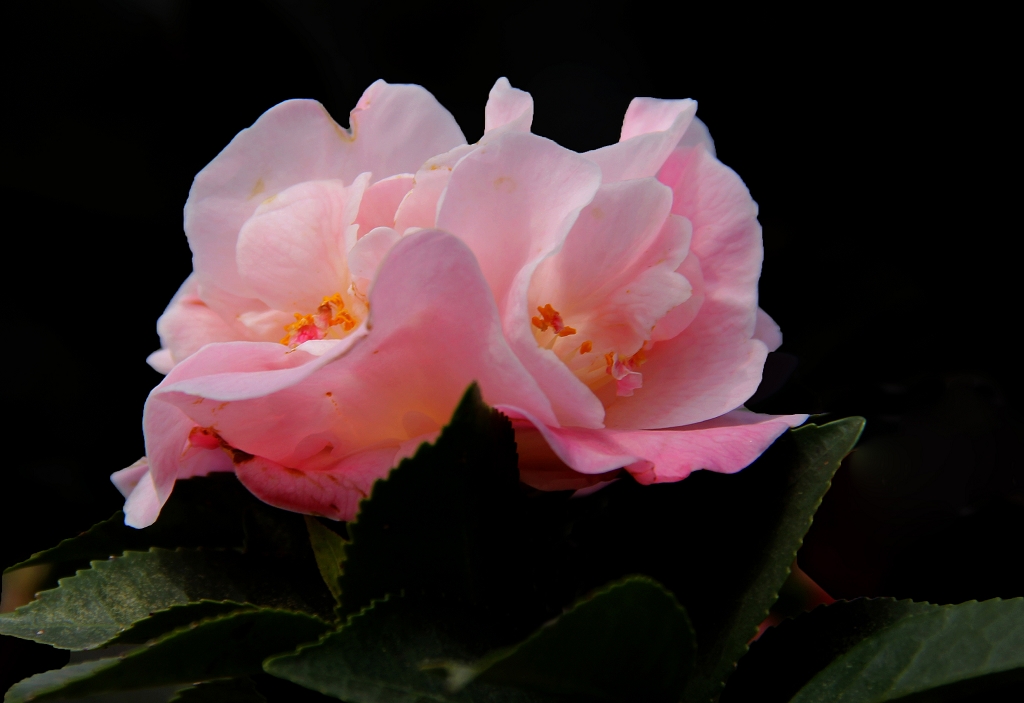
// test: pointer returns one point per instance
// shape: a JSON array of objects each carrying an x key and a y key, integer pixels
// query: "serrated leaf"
[
  {"x": 240, "y": 690},
  {"x": 723, "y": 544},
  {"x": 94, "y": 606},
  {"x": 450, "y": 527},
  {"x": 944, "y": 649},
  {"x": 329, "y": 550},
  {"x": 629, "y": 641},
  {"x": 787, "y": 656},
  {"x": 229, "y": 646},
  {"x": 379, "y": 655},
  {"x": 163, "y": 621},
  {"x": 201, "y": 512}
]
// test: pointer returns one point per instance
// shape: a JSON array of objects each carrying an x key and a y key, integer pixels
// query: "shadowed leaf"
[
  {"x": 629, "y": 641},
  {"x": 232, "y": 645},
  {"x": 329, "y": 550},
  {"x": 786, "y": 657},
  {"x": 230, "y": 691},
  {"x": 96, "y": 605},
  {"x": 946, "y": 652}
]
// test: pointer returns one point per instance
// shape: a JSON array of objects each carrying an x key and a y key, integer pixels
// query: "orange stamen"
[
  {"x": 330, "y": 312},
  {"x": 586, "y": 347},
  {"x": 549, "y": 317}
]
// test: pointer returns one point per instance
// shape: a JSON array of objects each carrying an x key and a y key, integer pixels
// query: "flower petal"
[
  {"x": 767, "y": 331},
  {"x": 513, "y": 200},
  {"x": 419, "y": 207},
  {"x": 366, "y": 256},
  {"x": 334, "y": 492},
  {"x": 508, "y": 107},
  {"x": 434, "y": 330},
  {"x": 726, "y": 444},
  {"x": 615, "y": 276},
  {"x": 650, "y": 131},
  {"x": 381, "y": 200},
  {"x": 187, "y": 325},
  {"x": 395, "y": 128},
  {"x": 291, "y": 251},
  {"x": 715, "y": 364}
]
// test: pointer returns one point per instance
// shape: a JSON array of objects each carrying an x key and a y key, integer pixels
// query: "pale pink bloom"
[{"x": 349, "y": 285}]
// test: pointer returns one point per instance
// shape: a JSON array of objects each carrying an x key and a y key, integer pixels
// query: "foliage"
[{"x": 456, "y": 583}]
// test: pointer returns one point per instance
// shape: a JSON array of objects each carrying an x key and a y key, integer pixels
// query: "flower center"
[
  {"x": 330, "y": 319},
  {"x": 594, "y": 369}
]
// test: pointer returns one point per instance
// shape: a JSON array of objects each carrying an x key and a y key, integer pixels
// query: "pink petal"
[
  {"x": 615, "y": 276},
  {"x": 715, "y": 364},
  {"x": 650, "y": 131},
  {"x": 127, "y": 479},
  {"x": 726, "y": 444},
  {"x": 434, "y": 330},
  {"x": 366, "y": 256},
  {"x": 767, "y": 331},
  {"x": 291, "y": 251},
  {"x": 395, "y": 128},
  {"x": 334, "y": 493},
  {"x": 419, "y": 207},
  {"x": 380, "y": 202},
  {"x": 508, "y": 107},
  {"x": 187, "y": 325},
  {"x": 513, "y": 200},
  {"x": 680, "y": 317}
]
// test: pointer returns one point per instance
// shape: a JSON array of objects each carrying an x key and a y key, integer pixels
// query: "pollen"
[
  {"x": 586, "y": 347},
  {"x": 330, "y": 313},
  {"x": 549, "y": 317}
]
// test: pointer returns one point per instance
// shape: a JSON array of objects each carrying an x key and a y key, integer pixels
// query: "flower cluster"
[{"x": 349, "y": 284}]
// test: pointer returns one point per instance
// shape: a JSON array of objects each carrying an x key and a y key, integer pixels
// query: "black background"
[{"x": 879, "y": 148}]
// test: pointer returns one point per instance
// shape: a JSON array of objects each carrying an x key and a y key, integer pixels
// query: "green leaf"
[
  {"x": 944, "y": 651},
  {"x": 329, "y": 550},
  {"x": 201, "y": 512},
  {"x": 787, "y": 656},
  {"x": 451, "y": 527},
  {"x": 163, "y": 621},
  {"x": 723, "y": 544},
  {"x": 229, "y": 691},
  {"x": 232, "y": 645},
  {"x": 96, "y": 605},
  {"x": 629, "y": 641},
  {"x": 380, "y": 656}
]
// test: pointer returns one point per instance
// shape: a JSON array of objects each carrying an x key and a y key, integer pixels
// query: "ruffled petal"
[
  {"x": 187, "y": 325},
  {"x": 650, "y": 131},
  {"x": 616, "y": 276},
  {"x": 380, "y": 202},
  {"x": 508, "y": 107},
  {"x": 767, "y": 331},
  {"x": 291, "y": 252},
  {"x": 395, "y": 128},
  {"x": 715, "y": 364},
  {"x": 334, "y": 492},
  {"x": 419, "y": 207},
  {"x": 513, "y": 200},
  {"x": 726, "y": 444},
  {"x": 366, "y": 256},
  {"x": 435, "y": 329}
]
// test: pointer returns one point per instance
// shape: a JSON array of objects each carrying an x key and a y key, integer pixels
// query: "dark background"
[{"x": 878, "y": 147}]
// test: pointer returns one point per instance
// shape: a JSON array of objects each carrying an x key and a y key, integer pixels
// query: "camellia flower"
[{"x": 349, "y": 284}]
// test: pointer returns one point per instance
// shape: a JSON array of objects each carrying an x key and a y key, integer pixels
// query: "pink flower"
[{"x": 349, "y": 286}]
